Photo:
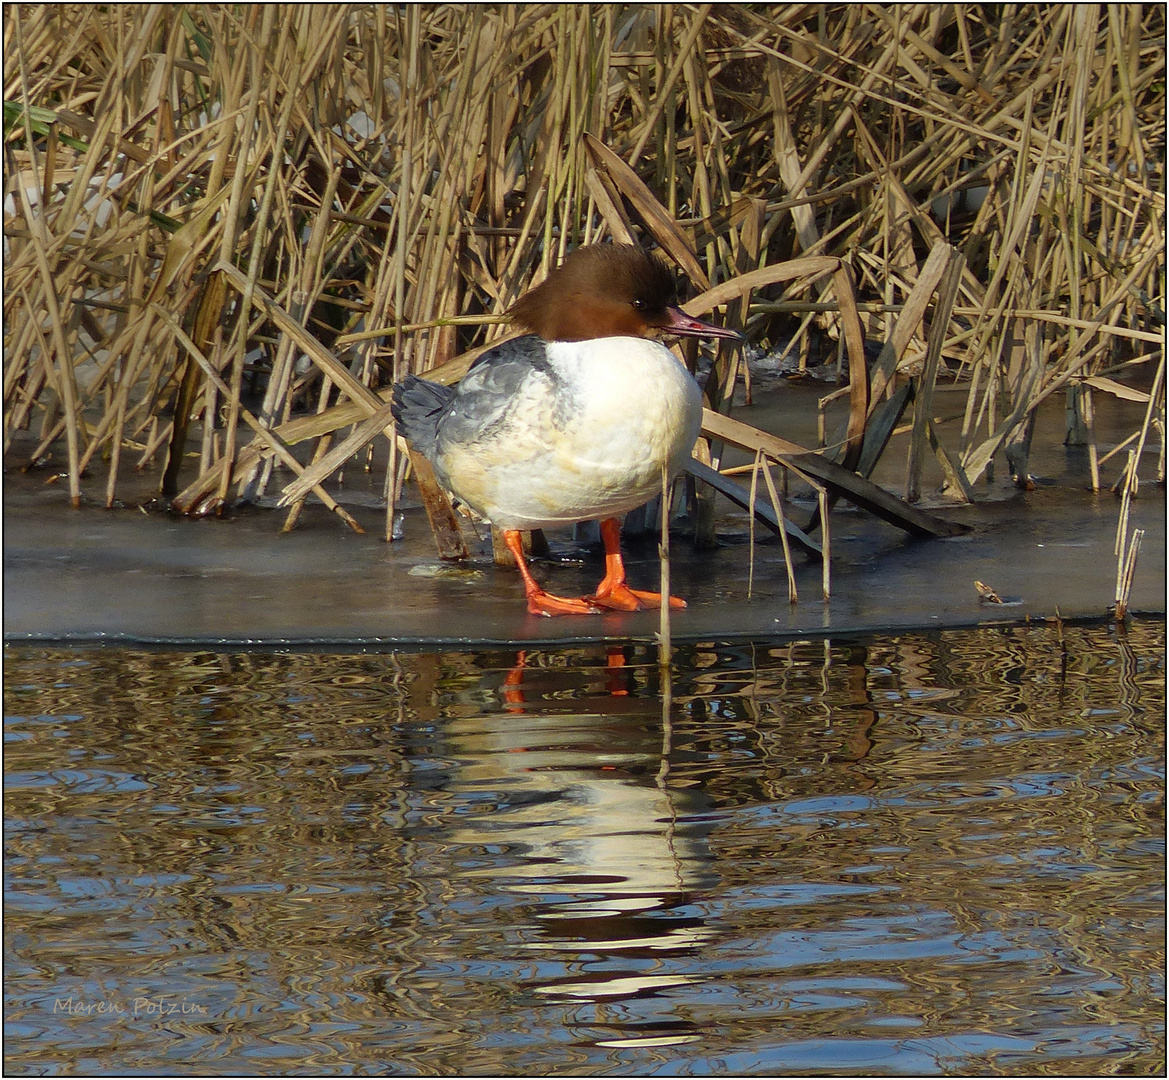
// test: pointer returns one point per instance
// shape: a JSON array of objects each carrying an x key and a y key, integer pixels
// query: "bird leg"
[
  {"x": 539, "y": 601},
  {"x": 513, "y": 684},
  {"x": 613, "y": 592}
]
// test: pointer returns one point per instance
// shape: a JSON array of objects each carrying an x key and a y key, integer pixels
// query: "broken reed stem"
[
  {"x": 793, "y": 594},
  {"x": 761, "y": 463},
  {"x": 1129, "y": 569},
  {"x": 1090, "y": 425},
  {"x": 391, "y": 482},
  {"x": 664, "y": 648},
  {"x": 1120, "y": 546},
  {"x": 751, "y": 523},
  {"x": 825, "y": 544}
]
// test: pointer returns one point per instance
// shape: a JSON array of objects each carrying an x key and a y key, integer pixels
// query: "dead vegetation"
[{"x": 228, "y": 229}]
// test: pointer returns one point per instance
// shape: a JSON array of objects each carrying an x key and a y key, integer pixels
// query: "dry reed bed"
[{"x": 372, "y": 187}]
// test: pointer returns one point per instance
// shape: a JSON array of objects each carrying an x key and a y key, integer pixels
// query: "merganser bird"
[{"x": 574, "y": 421}]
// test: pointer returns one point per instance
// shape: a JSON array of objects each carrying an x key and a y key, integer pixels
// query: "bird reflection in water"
[{"x": 613, "y": 856}]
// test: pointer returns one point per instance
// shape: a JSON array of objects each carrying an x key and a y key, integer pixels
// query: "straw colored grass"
[{"x": 228, "y": 229}]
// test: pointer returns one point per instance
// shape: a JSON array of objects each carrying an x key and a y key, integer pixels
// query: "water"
[{"x": 925, "y": 853}]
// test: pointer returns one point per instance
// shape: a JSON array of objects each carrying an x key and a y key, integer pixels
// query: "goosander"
[{"x": 574, "y": 421}]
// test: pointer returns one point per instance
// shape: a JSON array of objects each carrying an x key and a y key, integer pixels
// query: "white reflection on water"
[{"x": 605, "y": 848}]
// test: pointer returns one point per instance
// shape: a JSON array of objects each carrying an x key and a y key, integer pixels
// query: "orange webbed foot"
[
  {"x": 539, "y": 601},
  {"x": 621, "y": 597},
  {"x": 544, "y": 603},
  {"x": 613, "y": 593}
]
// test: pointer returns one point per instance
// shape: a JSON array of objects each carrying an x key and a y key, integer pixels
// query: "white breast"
[{"x": 627, "y": 406}]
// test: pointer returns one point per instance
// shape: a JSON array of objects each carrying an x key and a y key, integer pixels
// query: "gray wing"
[{"x": 480, "y": 407}]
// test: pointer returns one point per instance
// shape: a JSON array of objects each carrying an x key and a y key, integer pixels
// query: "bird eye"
[{"x": 638, "y": 305}]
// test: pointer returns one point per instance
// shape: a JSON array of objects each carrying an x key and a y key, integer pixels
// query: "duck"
[{"x": 572, "y": 421}]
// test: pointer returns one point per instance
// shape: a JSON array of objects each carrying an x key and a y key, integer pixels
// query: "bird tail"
[{"x": 418, "y": 406}]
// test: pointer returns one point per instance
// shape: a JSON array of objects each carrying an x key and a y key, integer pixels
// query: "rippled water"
[{"x": 929, "y": 853}]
